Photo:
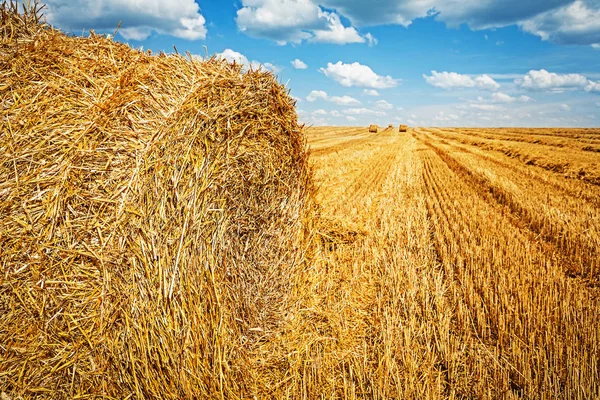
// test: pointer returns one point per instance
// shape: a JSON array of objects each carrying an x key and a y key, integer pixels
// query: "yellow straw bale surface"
[
  {"x": 151, "y": 211},
  {"x": 373, "y": 128}
]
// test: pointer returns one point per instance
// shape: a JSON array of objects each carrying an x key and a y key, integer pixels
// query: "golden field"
[
  {"x": 169, "y": 230},
  {"x": 464, "y": 265}
]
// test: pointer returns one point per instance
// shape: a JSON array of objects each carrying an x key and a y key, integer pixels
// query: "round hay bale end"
[
  {"x": 403, "y": 128},
  {"x": 373, "y": 128},
  {"x": 390, "y": 126},
  {"x": 151, "y": 215}
]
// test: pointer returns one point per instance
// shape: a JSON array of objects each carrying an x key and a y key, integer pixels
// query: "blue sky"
[{"x": 354, "y": 62}]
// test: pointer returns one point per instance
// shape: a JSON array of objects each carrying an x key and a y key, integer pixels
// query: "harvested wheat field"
[{"x": 168, "y": 230}]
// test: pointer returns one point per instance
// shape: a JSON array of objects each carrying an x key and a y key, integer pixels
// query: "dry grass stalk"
[{"x": 151, "y": 212}]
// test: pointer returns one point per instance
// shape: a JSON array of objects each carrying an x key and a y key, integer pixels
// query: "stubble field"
[{"x": 463, "y": 263}]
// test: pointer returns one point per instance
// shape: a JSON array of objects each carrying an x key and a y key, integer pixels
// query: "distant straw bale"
[
  {"x": 151, "y": 213},
  {"x": 373, "y": 128},
  {"x": 403, "y": 128},
  {"x": 390, "y": 126}
]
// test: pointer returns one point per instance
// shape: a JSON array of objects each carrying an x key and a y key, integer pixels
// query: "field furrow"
[
  {"x": 509, "y": 297},
  {"x": 568, "y": 224}
]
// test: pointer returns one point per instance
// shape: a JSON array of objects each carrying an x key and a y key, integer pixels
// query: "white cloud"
[
  {"x": 364, "y": 111},
  {"x": 282, "y": 21},
  {"x": 485, "y": 82},
  {"x": 593, "y": 87},
  {"x": 596, "y": 46},
  {"x": 544, "y": 80},
  {"x": 577, "y": 22},
  {"x": 452, "y": 80},
  {"x": 384, "y": 105},
  {"x": 268, "y": 66},
  {"x": 292, "y": 21},
  {"x": 317, "y": 94},
  {"x": 319, "y": 112},
  {"x": 350, "y": 118},
  {"x": 139, "y": 19},
  {"x": 299, "y": 64},
  {"x": 340, "y": 100},
  {"x": 336, "y": 32},
  {"x": 356, "y": 74},
  {"x": 565, "y": 107},
  {"x": 499, "y": 97},
  {"x": 372, "y": 40},
  {"x": 560, "y": 21},
  {"x": 233, "y": 56},
  {"x": 344, "y": 100},
  {"x": 371, "y": 92},
  {"x": 336, "y": 113}
]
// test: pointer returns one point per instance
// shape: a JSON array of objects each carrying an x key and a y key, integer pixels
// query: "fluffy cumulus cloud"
[
  {"x": 593, "y": 87},
  {"x": 371, "y": 92},
  {"x": 453, "y": 80},
  {"x": 139, "y": 19},
  {"x": 561, "y": 21},
  {"x": 499, "y": 97},
  {"x": 233, "y": 56},
  {"x": 550, "y": 81},
  {"x": 317, "y": 94},
  {"x": 574, "y": 23},
  {"x": 339, "y": 100},
  {"x": 344, "y": 100},
  {"x": 359, "y": 75},
  {"x": 293, "y": 21},
  {"x": 336, "y": 32},
  {"x": 299, "y": 64}
]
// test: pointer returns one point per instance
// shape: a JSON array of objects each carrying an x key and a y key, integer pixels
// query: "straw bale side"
[
  {"x": 403, "y": 128},
  {"x": 151, "y": 213},
  {"x": 373, "y": 128}
]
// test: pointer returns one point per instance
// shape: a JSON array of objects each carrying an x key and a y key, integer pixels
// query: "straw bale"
[
  {"x": 151, "y": 212},
  {"x": 403, "y": 128},
  {"x": 390, "y": 126},
  {"x": 373, "y": 128}
]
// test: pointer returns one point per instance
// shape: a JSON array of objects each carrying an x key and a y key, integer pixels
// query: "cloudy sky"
[{"x": 354, "y": 62}]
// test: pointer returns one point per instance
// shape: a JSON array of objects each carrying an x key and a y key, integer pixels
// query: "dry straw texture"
[
  {"x": 373, "y": 128},
  {"x": 151, "y": 211}
]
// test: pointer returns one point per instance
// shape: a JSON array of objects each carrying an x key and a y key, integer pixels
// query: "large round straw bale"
[
  {"x": 150, "y": 217},
  {"x": 373, "y": 128}
]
